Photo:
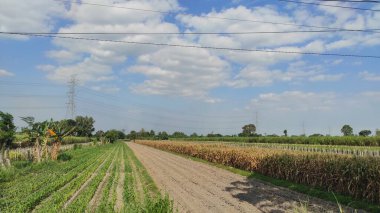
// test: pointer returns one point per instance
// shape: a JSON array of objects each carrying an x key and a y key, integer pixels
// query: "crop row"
[
  {"x": 95, "y": 179},
  {"x": 325, "y": 140},
  {"x": 355, "y": 176},
  {"x": 58, "y": 199},
  {"x": 32, "y": 195},
  {"x": 334, "y": 149}
]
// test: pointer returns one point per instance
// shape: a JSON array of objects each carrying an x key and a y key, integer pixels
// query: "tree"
[
  {"x": 85, "y": 126},
  {"x": 7, "y": 132},
  {"x": 100, "y": 136},
  {"x": 152, "y": 133},
  {"x": 347, "y": 130},
  {"x": 132, "y": 135},
  {"x": 316, "y": 135},
  {"x": 248, "y": 130},
  {"x": 179, "y": 135},
  {"x": 286, "y": 133},
  {"x": 377, "y": 132},
  {"x": 112, "y": 135},
  {"x": 163, "y": 136},
  {"x": 67, "y": 124},
  {"x": 194, "y": 135},
  {"x": 365, "y": 133}
]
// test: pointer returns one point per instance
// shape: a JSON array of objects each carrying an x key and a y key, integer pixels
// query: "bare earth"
[{"x": 198, "y": 187}]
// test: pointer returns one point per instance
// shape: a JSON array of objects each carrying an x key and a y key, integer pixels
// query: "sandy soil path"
[{"x": 198, "y": 187}]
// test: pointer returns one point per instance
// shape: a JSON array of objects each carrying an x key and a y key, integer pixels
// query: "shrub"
[{"x": 64, "y": 157}]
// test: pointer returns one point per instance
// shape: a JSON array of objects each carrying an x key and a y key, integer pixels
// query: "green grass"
[
  {"x": 310, "y": 191},
  {"x": 47, "y": 186}
]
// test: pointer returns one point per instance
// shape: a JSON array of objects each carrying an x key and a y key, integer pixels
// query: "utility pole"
[{"x": 71, "y": 97}]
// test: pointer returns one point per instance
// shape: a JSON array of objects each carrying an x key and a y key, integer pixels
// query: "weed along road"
[{"x": 199, "y": 187}]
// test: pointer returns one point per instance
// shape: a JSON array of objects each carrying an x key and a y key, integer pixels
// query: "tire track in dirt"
[
  {"x": 75, "y": 195},
  {"x": 198, "y": 187},
  {"x": 120, "y": 186},
  {"x": 98, "y": 193}
]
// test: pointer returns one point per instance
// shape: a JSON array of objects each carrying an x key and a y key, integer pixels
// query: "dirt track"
[{"x": 198, "y": 187}]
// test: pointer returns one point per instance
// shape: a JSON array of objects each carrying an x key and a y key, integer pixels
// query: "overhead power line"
[
  {"x": 193, "y": 33},
  {"x": 352, "y": 1},
  {"x": 205, "y": 47},
  {"x": 211, "y": 17},
  {"x": 329, "y": 5}
]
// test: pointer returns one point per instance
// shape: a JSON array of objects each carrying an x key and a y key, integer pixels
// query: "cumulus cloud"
[
  {"x": 106, "y": 88},
  {"x": 86, "y": 71},
  {"x": 199, "y": 71},
  {"x": 4, "y": 73},
  {"x": 256, "y": 76},
  {"x": 172, "y": 71},
  {"x": 29, "y": 16},
  {"x": 368, "y": 76},
  {"x": 93, "y": 61},
  {"x": 294, "y": 101}
]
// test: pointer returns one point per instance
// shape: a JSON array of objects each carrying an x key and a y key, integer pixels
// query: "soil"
[{"x": 199, "y": 187}]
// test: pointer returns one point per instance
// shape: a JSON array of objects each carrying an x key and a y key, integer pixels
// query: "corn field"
[{"x": 356, "y": 176}]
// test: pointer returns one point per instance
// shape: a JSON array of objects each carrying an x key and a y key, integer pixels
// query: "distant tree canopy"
[
  {"x": 210, "y": 135},
  {"x": 7, "y": 129},
  {"x": 285, "y": 133},
  {"x": 248, "y": 130},
  {"x": 194, "y": 135},
  {"x": 316, "y": 135},
  {"x": 377, "y": 132},
  {"x": 347, "y": 130},
  {"x": 114, "y": 135},
  {"x": 162, "y": 136},
  {"x": 178, "y": 135},
  {"x": 365, "y": 133},
  {"x": 85, "y": 126}
]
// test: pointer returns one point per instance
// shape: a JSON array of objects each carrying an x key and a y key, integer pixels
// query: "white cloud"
[
  {"x": 4, "y": 73},
  {"x": 294, "y": 101},
  {"x": 93, "y": 61},
  {"x": 106, "y": 88},
  {"x": 86, "y": 71},
  {"x": 326, "y": 77},
  {"x": 172, "y": 71},
  {"x": 368, "y": 76},
  {"x": 29, "y": 16},
  {"x": 256, "y": 76},
  {"x": 63, "y": 56}
]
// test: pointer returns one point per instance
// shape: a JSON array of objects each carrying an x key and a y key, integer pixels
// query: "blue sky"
[{"x": 134, "y": 86}]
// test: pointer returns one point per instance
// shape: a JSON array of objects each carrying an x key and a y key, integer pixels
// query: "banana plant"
[{"x": 58, "y": 132}]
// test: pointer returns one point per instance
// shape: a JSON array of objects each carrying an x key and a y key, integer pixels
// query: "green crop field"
[{"x": 103, "y": 178}]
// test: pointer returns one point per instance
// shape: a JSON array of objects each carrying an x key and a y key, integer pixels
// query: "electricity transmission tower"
[{"x": 71, "y": 97}]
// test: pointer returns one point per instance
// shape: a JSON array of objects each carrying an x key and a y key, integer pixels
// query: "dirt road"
[{"x": 198, "y": 187}]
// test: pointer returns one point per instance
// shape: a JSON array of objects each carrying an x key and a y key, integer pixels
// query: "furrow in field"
[
  {"x": 99, "y": 191},
  {"x": 84, "y": 185},
  {"x": 33, "y": 182},
  {"x": 138, "y": 188},
  {"x": 27, "y": 203},
  {"x": 120, "y": 185},
  {"x": 59, "y": 197}
]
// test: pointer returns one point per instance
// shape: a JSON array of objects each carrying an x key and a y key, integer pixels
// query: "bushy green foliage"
[{"x": 64, "y": 157}]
